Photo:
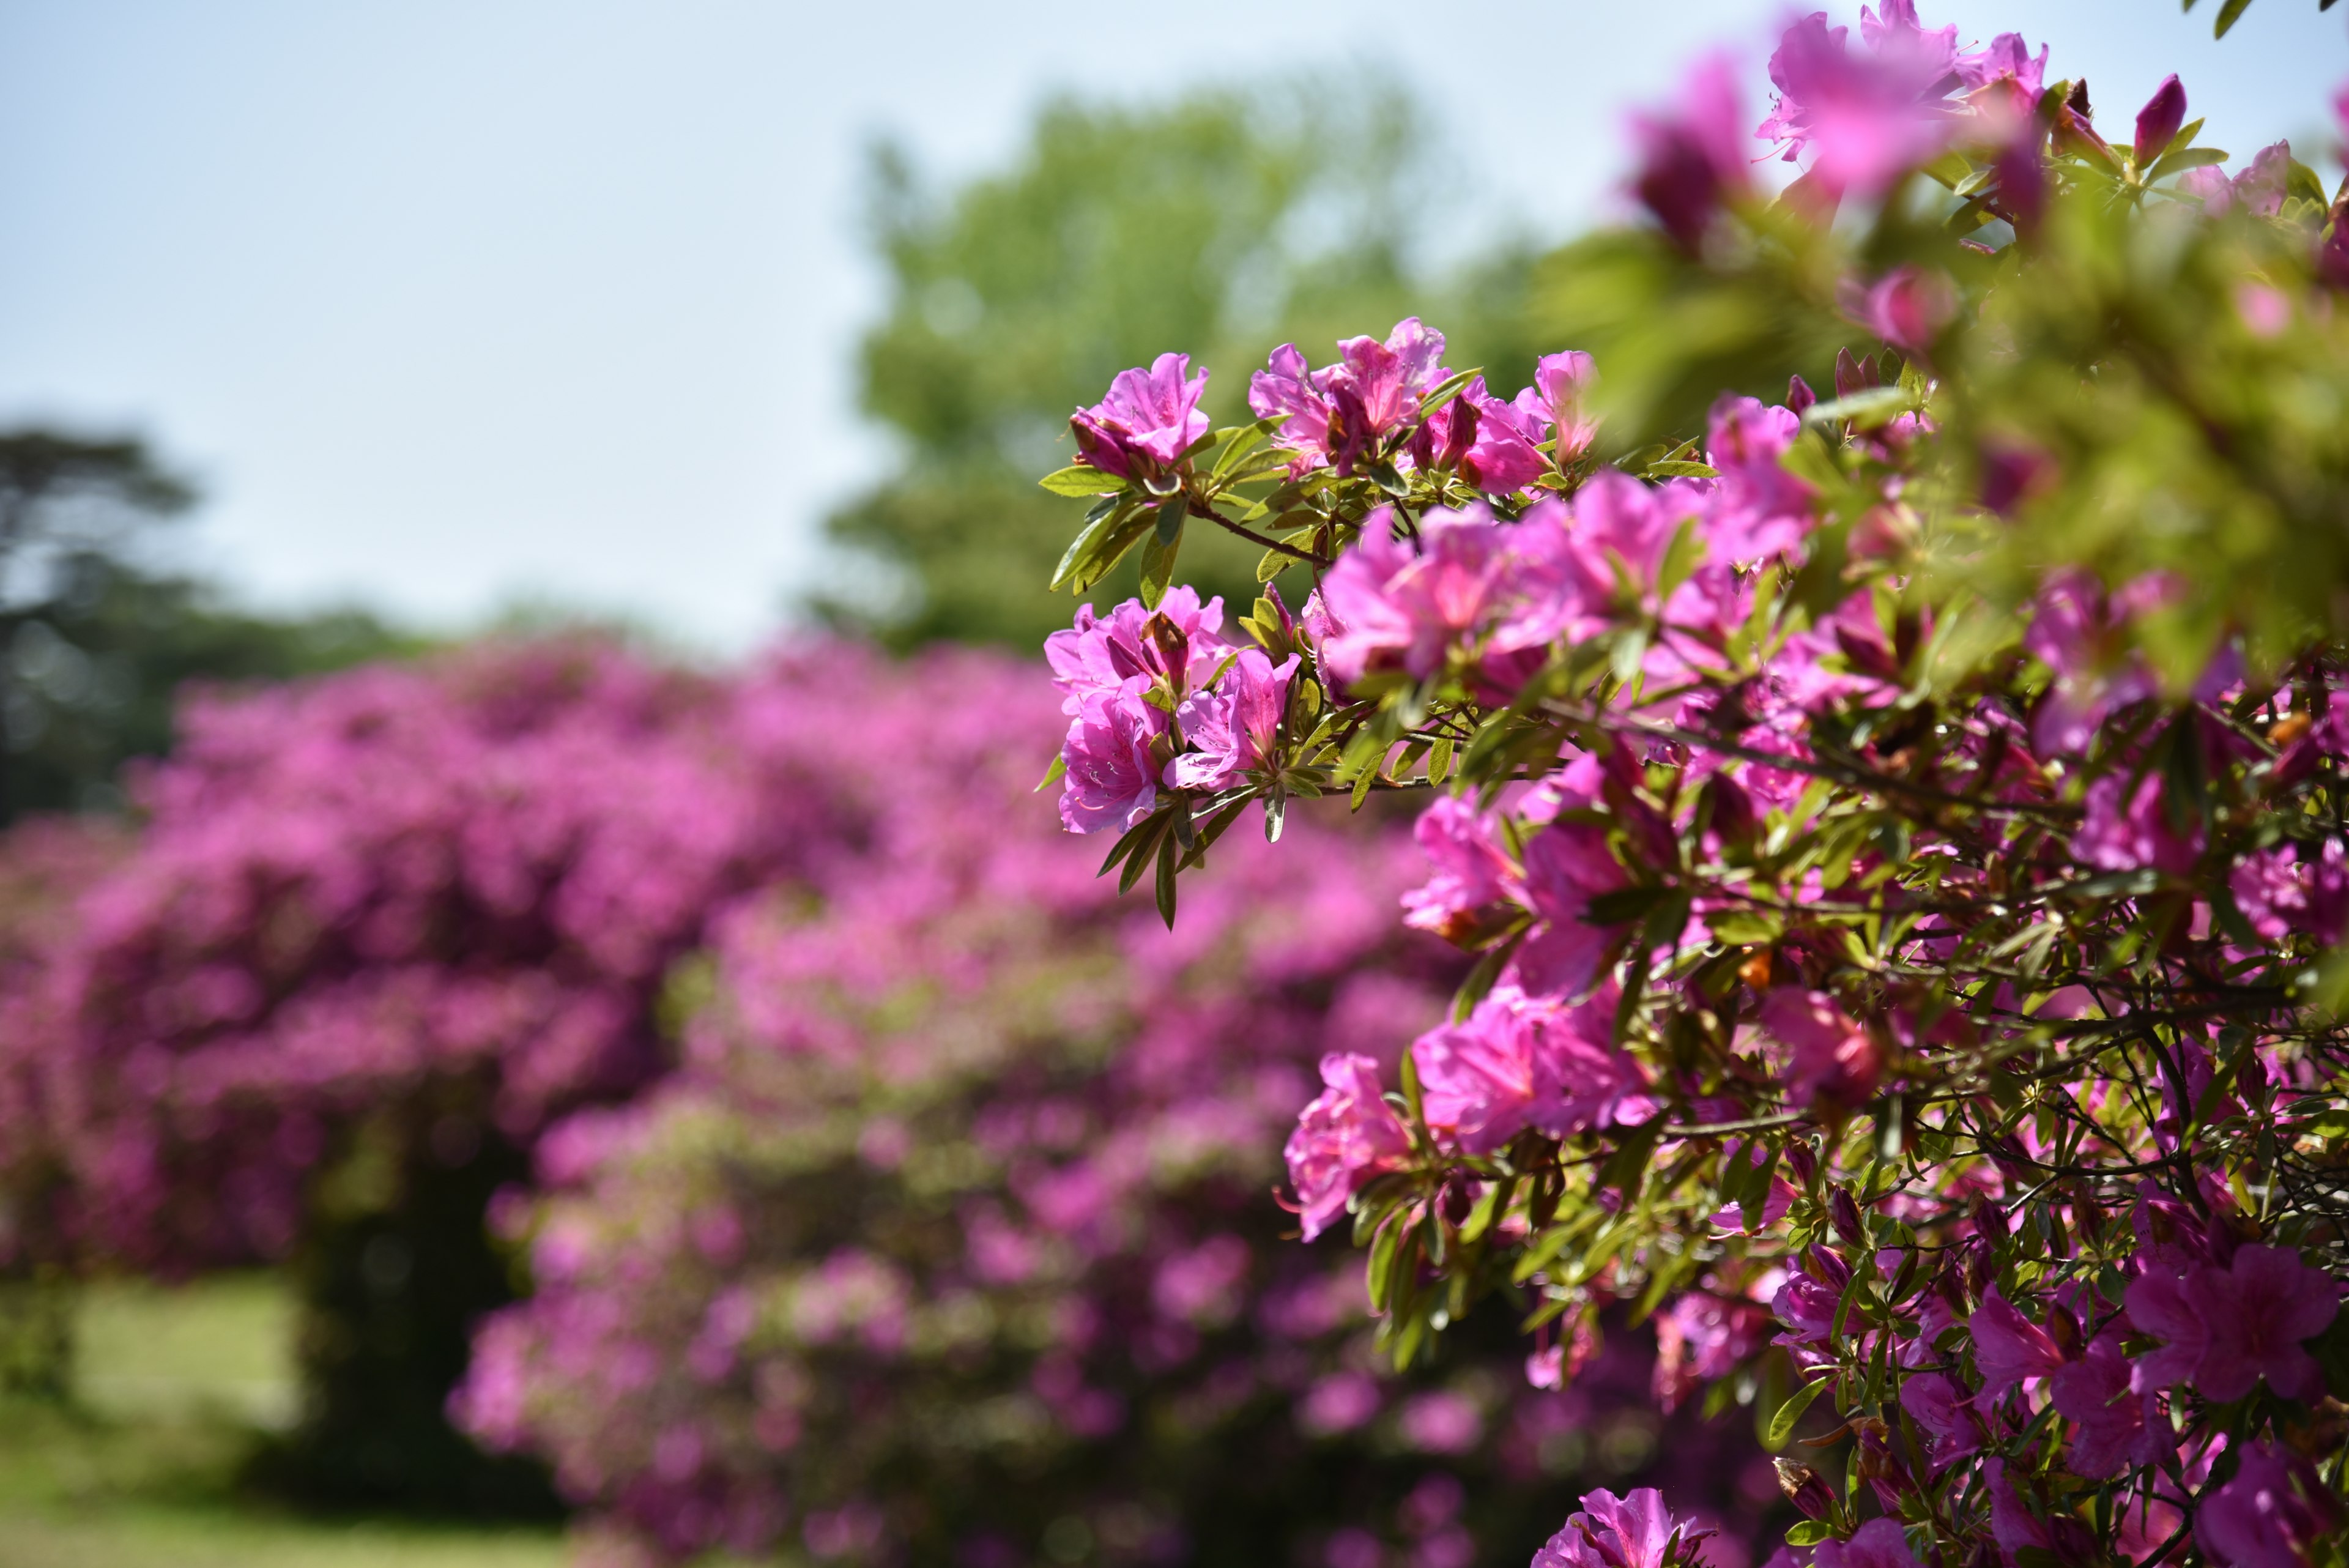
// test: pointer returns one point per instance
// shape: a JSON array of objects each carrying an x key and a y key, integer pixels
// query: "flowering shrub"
[
  {"x": 1898, "y": 827},
  {"x": 951, "y": 1240}
]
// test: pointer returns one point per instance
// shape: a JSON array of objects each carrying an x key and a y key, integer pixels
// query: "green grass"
[{"x": 172, "y": 1385}]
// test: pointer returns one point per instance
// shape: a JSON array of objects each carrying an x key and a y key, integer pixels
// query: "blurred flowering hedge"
[{"x": 901, "y": 1195}]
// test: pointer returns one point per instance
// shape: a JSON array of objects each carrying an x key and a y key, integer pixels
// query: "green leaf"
[
  {"x": 2227, "y": 15},
  {"x": 1082, "y": 480},
  {"x": 1627, "y": 1168},
  {"x": 1167, "y": 881},
  {"x": 1151, "y": 834},
  {"x": 1439, "y": 759},
  {"x": 1810, "y": 1532},
  {"x": 1747, "y": 927},
  {"x": 2330, "y": 1349},
  {"x": 1866, "y": 409},
  {"x": 1052, "y": 775},
  {"x": 1783, "y": 1420},
  {"x": 1158, "y": 553},
  {"x": 2185, "y": 158}
]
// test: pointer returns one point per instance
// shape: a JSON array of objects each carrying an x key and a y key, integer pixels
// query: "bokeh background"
[{"x": 522, "y": 372}]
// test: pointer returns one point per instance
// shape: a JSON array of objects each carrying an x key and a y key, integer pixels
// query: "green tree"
[
  {"x": 1220, "y": 224},
  {"x": 95, "y": 644}
]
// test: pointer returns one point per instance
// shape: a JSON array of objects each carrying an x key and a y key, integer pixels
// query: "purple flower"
[
  {"x": 1235, "y": 727},
  {"x": 1634, "y": 1530},
  {"x": 1181, "y": 642},
  {"x": 1568, "y": 866},
  {"x": 2258, "y": 190},
  {"x": 2158, "y": 1305},
  {"x": 2009, "y": 1347},
  {"x": 1506, "y": 456},
  {"x": 1909, "y": 307},
  {"x": 1149, "y": 417},
  {"x": 2258, "y": 1310},
  {"x": 2158, "y": 121},
  {"x": 2271, "y": 1514},
  {"x": 2128, "y": 829},
  {"x": 1470, "y": 869},
  {"x": 1113, "y": 781},
  {"x": 1469, "y": 583},
  {"x": 2007, "y": 67},
  {"x": 1519, "y": 1061},
  {"x": 1347, "y": 1135},
  {"x": 1335, "y": 413},
  {"x": 1878, "y": 1544},
  {"x": 2284, "y": 890},
  {"x": 1562, "y": 386},
  {"x": 1761, "y": 510},
  {"x": 1833, "y": 1058},
  {"x": 2119, "y": 1424},
  {"x": 1288, "y": 387},
  {"x": 1946, "y": 1416},
  {"x": 1704, "y": 1338},
  {"x": 1690, "y": 160},
  {"x": 1871, "y": 117}
]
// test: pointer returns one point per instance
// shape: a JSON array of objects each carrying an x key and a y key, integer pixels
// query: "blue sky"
[{"x": 450, "y": 303}]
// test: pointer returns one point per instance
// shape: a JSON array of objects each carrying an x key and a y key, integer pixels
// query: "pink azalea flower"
[
  {"x": 1287, "y": 386},
  {"x": 1566, "y": 865},
  {"x": 1376, "y": 387},
  {"x": 1150, "y": 417},
  {"x": 1761, "y": 510},
  {"x": 1878, "y": 1544},
  {"x": 1387, "y": 608},
  {"x": 2157, "y": 123},
  {"x": 1111, "y": 782},
  {"x": 1101, "y": 653},
  {"x": 1518, "y": 1062},
  {"x": 1634, "y": 1530},
  {"x": 1691, "y": 163},
  {"x": 1945, "y": 1416},
  {"x": 2009, "y": 1347},
  {"x": 1235, "y": 727},
  {"x": 1704, "y": 1338},
  {"x": 1833, "y": 1058},
  {"x": 2271, "y": 1514},
  {"x": 2117, "y": 1425},
  {"x": 2128, "y": 829},
  {"x": 1506, "y": 456},
  {"x": 2158, "y": 1305},
  {"x": 1870, "y": 116},
  {"x": 1346, "y": 1136},
  {"x": 1561, "y": 386},
  {"x": 1908, "y": 307},
  {"x": 2283, "y": 890},
  {"x": 2258, "y": 1310},
  {"x": 1470, "y": 869}
]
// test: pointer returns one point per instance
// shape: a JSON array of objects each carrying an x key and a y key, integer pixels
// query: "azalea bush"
[
  {"x": 1882, "y": 695},
  {"x": 950, "y": 1239}
]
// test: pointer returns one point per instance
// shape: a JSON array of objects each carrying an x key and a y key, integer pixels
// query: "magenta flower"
[
  {"x": 1470, "y": 870},
  {"x": 2159, "y": 1303},
  {"x": 1760, "y": 510},
  {"x": 1945, "y": 1416},
  {"x": 1692, "y": 163},
  {"x": 2118, "y": 1425},
  {"x": 1101, "y": 653},
  {"x": 1908, "y": 309},
  {"x": 1286, "y": 387},
  {"x": 1111, "y": 780},
  {"x": 2258, "y": 1310},
  {"x": 2158, "y": 121},
  {"x": 2282, "y": 890},
  {"x": 1871, "y": 117},
  {"x": 1833, "y": 1058},
  {"x": 1390, "y": 608},
  {"x": 1878, "y": 1544},
  {"x": 1634, "y": 1530},
  {"x": 1505, "y": 455},
  {"x": 1150, "y": 418},
  {"x": 2080, "y": 632},
  {"x": 2009, "y": 1347},
  {"x": 1376, "y": 387},
  {"x": 2271, "y": 1514},
  {"x": 1562, "y": 387},
  {"x": 1235, "y": 727},
  {"x": 1519, "y": 1061},
  {"x": 1567, "y": 866},
  {"x": 1346, "y": 1136},
  {"x": 1704, "y": 1338},
  {"x": 2128, "y": 829},
  {"x": 2013, "y": 77}
]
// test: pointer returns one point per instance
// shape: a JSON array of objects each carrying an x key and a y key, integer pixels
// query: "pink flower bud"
[{"x": 2158, "y": 120}]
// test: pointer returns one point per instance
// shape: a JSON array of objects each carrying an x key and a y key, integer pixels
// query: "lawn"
[{"x": 172, "y": 1384}]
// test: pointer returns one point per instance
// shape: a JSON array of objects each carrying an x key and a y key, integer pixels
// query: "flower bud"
[
  {"x": 2159, "y": 121},
  {"x": 2064, "y": 1328},
  {"x": 1842, "y": 1213},
  {"x": 1804, "y": 1489},
  {"x": 1804, "y": 1163},
  {"x": 1799, "y": 396}
]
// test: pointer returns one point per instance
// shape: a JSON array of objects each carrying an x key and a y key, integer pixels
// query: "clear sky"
[{"x": 449, "y": 302}]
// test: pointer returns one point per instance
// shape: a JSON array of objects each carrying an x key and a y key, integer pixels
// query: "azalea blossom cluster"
[
  {"x": 1905, "y": 899},
  {"x": 950, "y": 1241}
]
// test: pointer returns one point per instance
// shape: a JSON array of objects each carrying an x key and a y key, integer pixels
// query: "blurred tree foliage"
[
  {"x": 94, "y": 644},
  {"x": 1221, "y": 224}
]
